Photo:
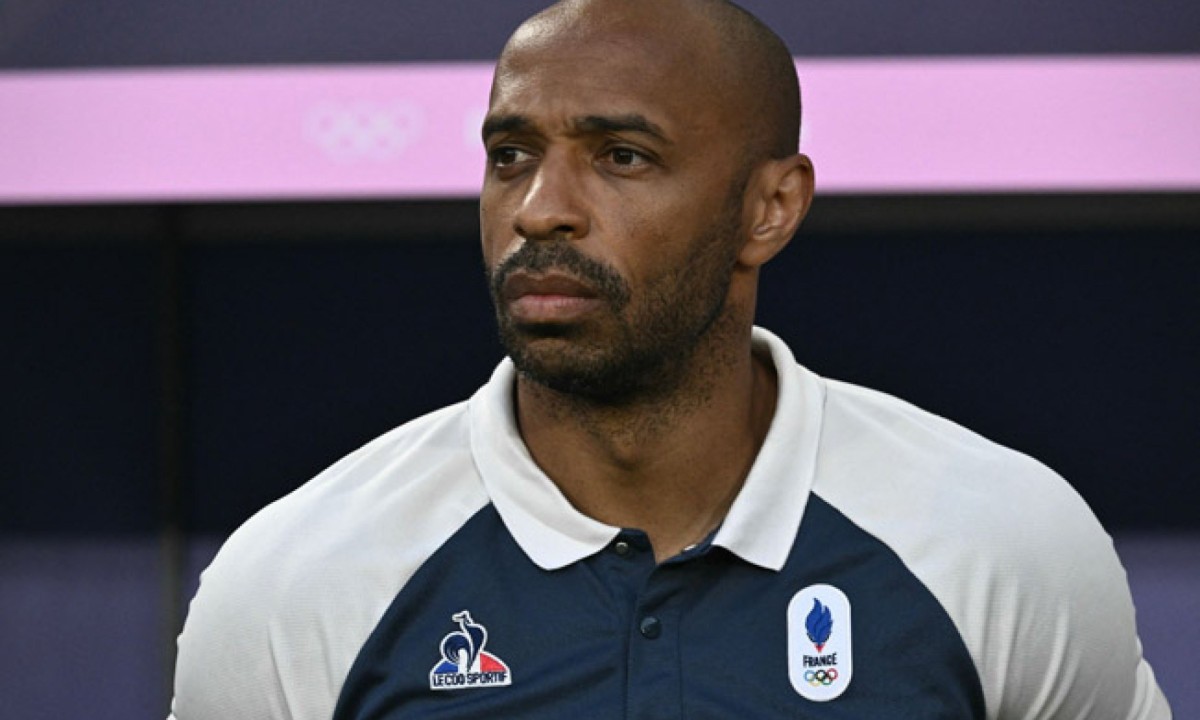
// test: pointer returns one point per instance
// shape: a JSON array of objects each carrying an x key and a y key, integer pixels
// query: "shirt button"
[
  {"x": 621, "y": 548},
  {"x": 650, "y": 627}
]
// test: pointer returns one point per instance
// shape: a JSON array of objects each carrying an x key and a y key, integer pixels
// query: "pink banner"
[{"x": 412, "y": 131}]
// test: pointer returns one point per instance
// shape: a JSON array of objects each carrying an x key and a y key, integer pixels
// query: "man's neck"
[{"x": 670, "y": 466}]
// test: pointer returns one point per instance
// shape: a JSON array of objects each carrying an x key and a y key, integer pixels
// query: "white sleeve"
[
  {"x": 285, "y": 607},
  {"x": 1011, "y": 552},
  {"x": 229, "y": 665},
  {"x": 1064, "y": 644}
]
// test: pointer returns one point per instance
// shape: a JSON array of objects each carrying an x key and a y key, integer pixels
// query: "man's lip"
[{"x": 521, "y": 284}]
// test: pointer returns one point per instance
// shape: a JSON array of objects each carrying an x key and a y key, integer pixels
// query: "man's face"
[{"x": 610, "y": 209}]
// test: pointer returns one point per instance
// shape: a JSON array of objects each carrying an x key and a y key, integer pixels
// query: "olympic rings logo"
[
  {"x": 365, "y": 130},
  {"x": 817, "y": 678}
]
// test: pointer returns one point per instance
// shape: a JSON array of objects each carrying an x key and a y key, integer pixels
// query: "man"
[{"x": 651, "y": 511}]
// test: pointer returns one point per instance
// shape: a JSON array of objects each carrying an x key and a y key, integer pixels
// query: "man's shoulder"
[
  {"x": 907, "y": 473},
  {"x": 1008, "y": 548},
  {"x": 382, "y": 479},
  {"x": 397, "y": 496},
  {"x": 873, "y": 427},
  {"x": 324, "y": 562}
]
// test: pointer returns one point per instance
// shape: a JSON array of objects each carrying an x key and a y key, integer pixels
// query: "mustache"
[{"x": 563, "y": 257}]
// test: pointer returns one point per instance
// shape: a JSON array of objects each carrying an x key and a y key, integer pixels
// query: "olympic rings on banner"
[
  {"x": 820, "y": 677},
  {"x": 365, "y": 130}
]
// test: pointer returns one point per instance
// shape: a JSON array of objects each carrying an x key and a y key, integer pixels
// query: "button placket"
[{"x": 655, "y": 683}]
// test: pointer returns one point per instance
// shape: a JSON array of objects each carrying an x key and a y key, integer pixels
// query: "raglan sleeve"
[
  {"x": 1067, "y": 646},
  {"x": 226, "y": 666}
]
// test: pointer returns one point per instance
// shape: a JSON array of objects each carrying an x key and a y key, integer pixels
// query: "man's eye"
[
  {"x": 625, "y": 156},
  {"x": 504, "y": 156}
]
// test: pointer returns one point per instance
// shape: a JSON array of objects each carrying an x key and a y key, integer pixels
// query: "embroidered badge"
[
  {"x": 820, "y": 652},
  {"x": 464, "y": 662}
]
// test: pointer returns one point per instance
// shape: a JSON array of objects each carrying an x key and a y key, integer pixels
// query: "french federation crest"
[
  {"x": 820, "y": 652},
  {"x": 465, "y": 664}
]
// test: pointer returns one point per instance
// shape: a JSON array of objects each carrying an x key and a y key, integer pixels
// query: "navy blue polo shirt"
[
  {"x": 879, "y": 562},
  {"x": 704, "y": 635}
]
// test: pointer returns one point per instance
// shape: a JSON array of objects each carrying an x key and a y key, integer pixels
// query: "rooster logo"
[
  {"x": 462, "y": 648},
  {"x": 464, "y": 662}
]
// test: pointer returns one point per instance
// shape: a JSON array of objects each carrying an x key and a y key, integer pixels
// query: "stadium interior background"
[{"x": 169, "y": 367}]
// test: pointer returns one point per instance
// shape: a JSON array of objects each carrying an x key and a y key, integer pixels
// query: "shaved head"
[
  {"x": 767, "y": 74},
  {"x": 745, "y": 66}
]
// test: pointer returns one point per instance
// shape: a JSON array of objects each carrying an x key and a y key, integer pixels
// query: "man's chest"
[{"x": 842, "y": 631}]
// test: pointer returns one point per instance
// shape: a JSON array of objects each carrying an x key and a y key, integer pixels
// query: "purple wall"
[{"x": 82, "y": 623}]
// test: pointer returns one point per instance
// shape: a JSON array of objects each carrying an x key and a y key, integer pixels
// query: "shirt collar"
[
  {"x": 541, "y": 519},
  {"x": 762, "y": 522}
]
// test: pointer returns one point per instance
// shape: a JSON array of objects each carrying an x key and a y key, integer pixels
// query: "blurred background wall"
[{"x": 170, "y": 364}]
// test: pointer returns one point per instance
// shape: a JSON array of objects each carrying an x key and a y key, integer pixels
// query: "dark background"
[
  {"x": 184, "y": 365},
  {"x": 122, "y": 33},
  {"x": 169, "y": 369}
]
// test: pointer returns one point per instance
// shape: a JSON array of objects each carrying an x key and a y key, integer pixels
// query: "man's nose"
[{"x": 553, "y": 206}]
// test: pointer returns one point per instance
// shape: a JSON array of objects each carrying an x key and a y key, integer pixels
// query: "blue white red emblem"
[
  {"x": 820, "y": 653},
  {"x": 464, "y": 663}
]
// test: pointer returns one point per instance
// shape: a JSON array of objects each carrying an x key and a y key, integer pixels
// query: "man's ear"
[{"x": 780, "y": 193}]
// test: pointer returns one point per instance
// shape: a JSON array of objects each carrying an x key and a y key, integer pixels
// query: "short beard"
[{"x": 649, "y": 354}]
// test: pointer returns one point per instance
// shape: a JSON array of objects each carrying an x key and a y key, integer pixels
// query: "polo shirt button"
[
  {"x": 651, "y": 627},
  {"x": 621, "y": 548}
]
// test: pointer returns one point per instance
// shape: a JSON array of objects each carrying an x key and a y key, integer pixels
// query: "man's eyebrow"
[
  {"x": 631, "y": 122},
  {"x": 620, "y": 123},
  {"x": 505, "y": 123}
]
